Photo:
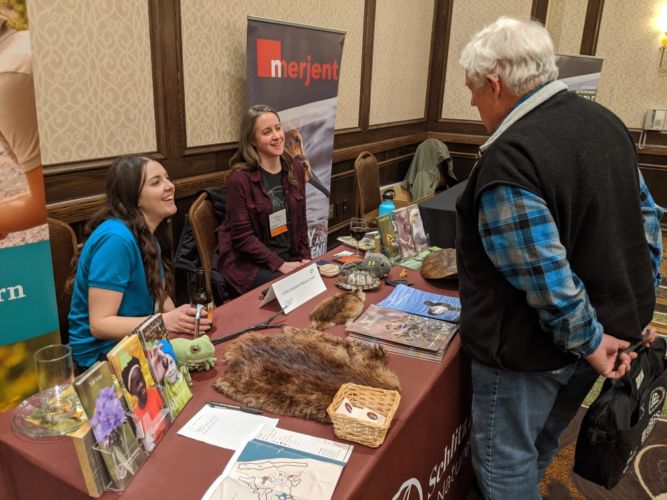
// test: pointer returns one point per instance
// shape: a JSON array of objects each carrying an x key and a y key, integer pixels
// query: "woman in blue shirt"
[{"x": 122, "y": 277}]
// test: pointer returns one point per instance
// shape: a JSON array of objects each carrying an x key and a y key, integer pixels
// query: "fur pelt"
[
  {"x": 297, "y": 372},
  {"x": 341, "y": 309}
]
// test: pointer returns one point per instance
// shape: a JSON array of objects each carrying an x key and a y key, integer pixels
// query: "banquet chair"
[
  {"x": 368, "y": 187},
  {"x": 63, "y": 249},
  {"x": 204, "y": 223}
]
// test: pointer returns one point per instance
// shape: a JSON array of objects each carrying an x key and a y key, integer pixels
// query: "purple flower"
[{"x": 108, "y": 416}]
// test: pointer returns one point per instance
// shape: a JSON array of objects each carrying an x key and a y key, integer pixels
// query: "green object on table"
[{"x": 197, "y": 354}]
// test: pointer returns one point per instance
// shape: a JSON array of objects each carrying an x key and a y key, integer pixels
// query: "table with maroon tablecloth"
[{"x": 425, "y": 455}]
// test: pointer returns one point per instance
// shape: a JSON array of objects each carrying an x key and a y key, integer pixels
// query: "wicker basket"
[{"x": 371, "y": 434}]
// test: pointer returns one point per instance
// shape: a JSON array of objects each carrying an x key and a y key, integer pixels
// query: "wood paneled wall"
[{"x": 74, "y": 190}]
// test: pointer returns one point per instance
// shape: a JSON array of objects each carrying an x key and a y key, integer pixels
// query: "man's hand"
[
  {"x": 649, "y": 335},
  {"x": 608, "y": 354}
]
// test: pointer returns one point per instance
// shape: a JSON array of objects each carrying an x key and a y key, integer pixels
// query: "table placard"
[{"x": 296, "y": 289}]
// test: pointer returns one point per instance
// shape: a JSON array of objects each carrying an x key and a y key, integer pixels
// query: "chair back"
[
  {"x": 368, "y": 182},
  {"x": 204, "y": 223},
  {"x": 63, "y": 249}
]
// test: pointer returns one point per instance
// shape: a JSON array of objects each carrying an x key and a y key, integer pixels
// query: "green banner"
[{"x": 27, "y": 302}]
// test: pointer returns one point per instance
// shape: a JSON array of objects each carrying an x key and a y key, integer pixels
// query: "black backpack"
[
  {"x": 620, "y": 420},
  {"x": 186, "y": 257}
]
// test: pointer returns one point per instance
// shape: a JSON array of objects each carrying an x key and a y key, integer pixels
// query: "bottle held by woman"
[{"x": 200, "y": 298}]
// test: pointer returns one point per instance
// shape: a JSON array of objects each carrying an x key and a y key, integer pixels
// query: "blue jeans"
[{"x": 518, "y": 418}]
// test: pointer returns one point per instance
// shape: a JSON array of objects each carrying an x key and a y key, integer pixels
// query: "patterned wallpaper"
[
  {"x": 629, "y": 44},
  {"x": 467, "y": 19},
  {"x": 94, "y": 82},
  {"x": 565, "y": 22},
  {"x": 93, "y": 79},
  {"x": 401, "y": 53},
  {"x": 214, "y": 59}
]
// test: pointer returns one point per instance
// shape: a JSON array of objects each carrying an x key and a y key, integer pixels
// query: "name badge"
[{"x": 278, "y": 222}]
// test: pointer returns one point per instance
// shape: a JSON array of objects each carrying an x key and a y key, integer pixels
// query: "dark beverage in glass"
[
  {"x": 199, "y": 293},
  {"x": 358, "y": 228},
  {"x": 358, "y": 233}
]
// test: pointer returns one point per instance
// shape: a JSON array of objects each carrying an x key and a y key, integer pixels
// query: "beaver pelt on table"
[
  {"x": 341, "y": 309},
  {"x": 297, "y": 372}
]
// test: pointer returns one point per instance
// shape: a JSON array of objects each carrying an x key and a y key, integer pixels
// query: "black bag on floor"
[{"x": 620, "y": 420}]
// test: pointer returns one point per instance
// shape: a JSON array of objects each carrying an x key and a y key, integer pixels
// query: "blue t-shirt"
[{"x": 110, "y": 260}]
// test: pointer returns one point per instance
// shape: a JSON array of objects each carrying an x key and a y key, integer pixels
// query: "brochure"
[
  {"x": 406, "y": 242},
  {"x": 117, "y": 443},
  {"x": 418, "y": 234},
  {"x": 388, "y": 237},
  {"x": 415, "y": 301},
  {"x": 149, "y": 411},
  {"x": 282, "y": 464},
  {"x": 171, "y": 380}
]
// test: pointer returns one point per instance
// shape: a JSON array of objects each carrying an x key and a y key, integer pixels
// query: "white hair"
[{"x": 520, "y": 53}]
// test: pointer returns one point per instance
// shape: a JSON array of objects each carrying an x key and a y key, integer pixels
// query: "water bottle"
[{"x": 387, "y": 205}]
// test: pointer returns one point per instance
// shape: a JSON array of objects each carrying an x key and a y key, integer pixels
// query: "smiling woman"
[
  {"x": 265, "y": 232},
  {"x": 124, "y": 271}
]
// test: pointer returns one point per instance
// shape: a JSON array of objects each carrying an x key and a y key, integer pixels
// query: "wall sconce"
[{"x": 661, "y": 22}]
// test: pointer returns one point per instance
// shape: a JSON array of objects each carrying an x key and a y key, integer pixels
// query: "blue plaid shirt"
[{"x": 520, "y": 237}]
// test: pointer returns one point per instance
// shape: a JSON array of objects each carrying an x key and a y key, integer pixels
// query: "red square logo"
[{"x": 267, "y": 51}]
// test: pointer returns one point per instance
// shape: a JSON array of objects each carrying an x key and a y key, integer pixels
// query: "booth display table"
[{"x": 426, "y": 453}]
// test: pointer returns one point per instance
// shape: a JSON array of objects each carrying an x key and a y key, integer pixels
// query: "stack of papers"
[
  {"x": 225, "y": 428},
  {"x": 403, "y": 333}
]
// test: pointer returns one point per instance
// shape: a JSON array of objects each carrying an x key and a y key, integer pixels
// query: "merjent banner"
[{"x": 295, "y": 69}]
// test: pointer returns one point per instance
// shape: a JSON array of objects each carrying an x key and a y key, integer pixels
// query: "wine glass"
[{"x": 358, "y": 229}]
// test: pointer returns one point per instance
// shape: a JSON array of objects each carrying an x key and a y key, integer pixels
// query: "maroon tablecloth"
[{"x": 425, "y": 455}]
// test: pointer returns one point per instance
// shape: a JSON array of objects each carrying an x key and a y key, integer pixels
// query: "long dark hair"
[
  {"x": 246, "y": 157},
  {"x": 125, "y": 179}
]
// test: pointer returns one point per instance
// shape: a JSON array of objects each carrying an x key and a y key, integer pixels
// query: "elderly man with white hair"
[{"x": 559, "y": 246}]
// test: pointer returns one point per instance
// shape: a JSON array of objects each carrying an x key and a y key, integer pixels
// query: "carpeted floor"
[{"x": 646, "y": 479}]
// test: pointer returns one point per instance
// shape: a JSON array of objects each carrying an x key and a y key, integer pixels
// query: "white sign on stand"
[{"x": 296, "y": 289}]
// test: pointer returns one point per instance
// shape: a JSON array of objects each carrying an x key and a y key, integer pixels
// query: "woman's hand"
[
  {"x": 182, "y": 320},
  {"x": 288, "y": 267}
]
